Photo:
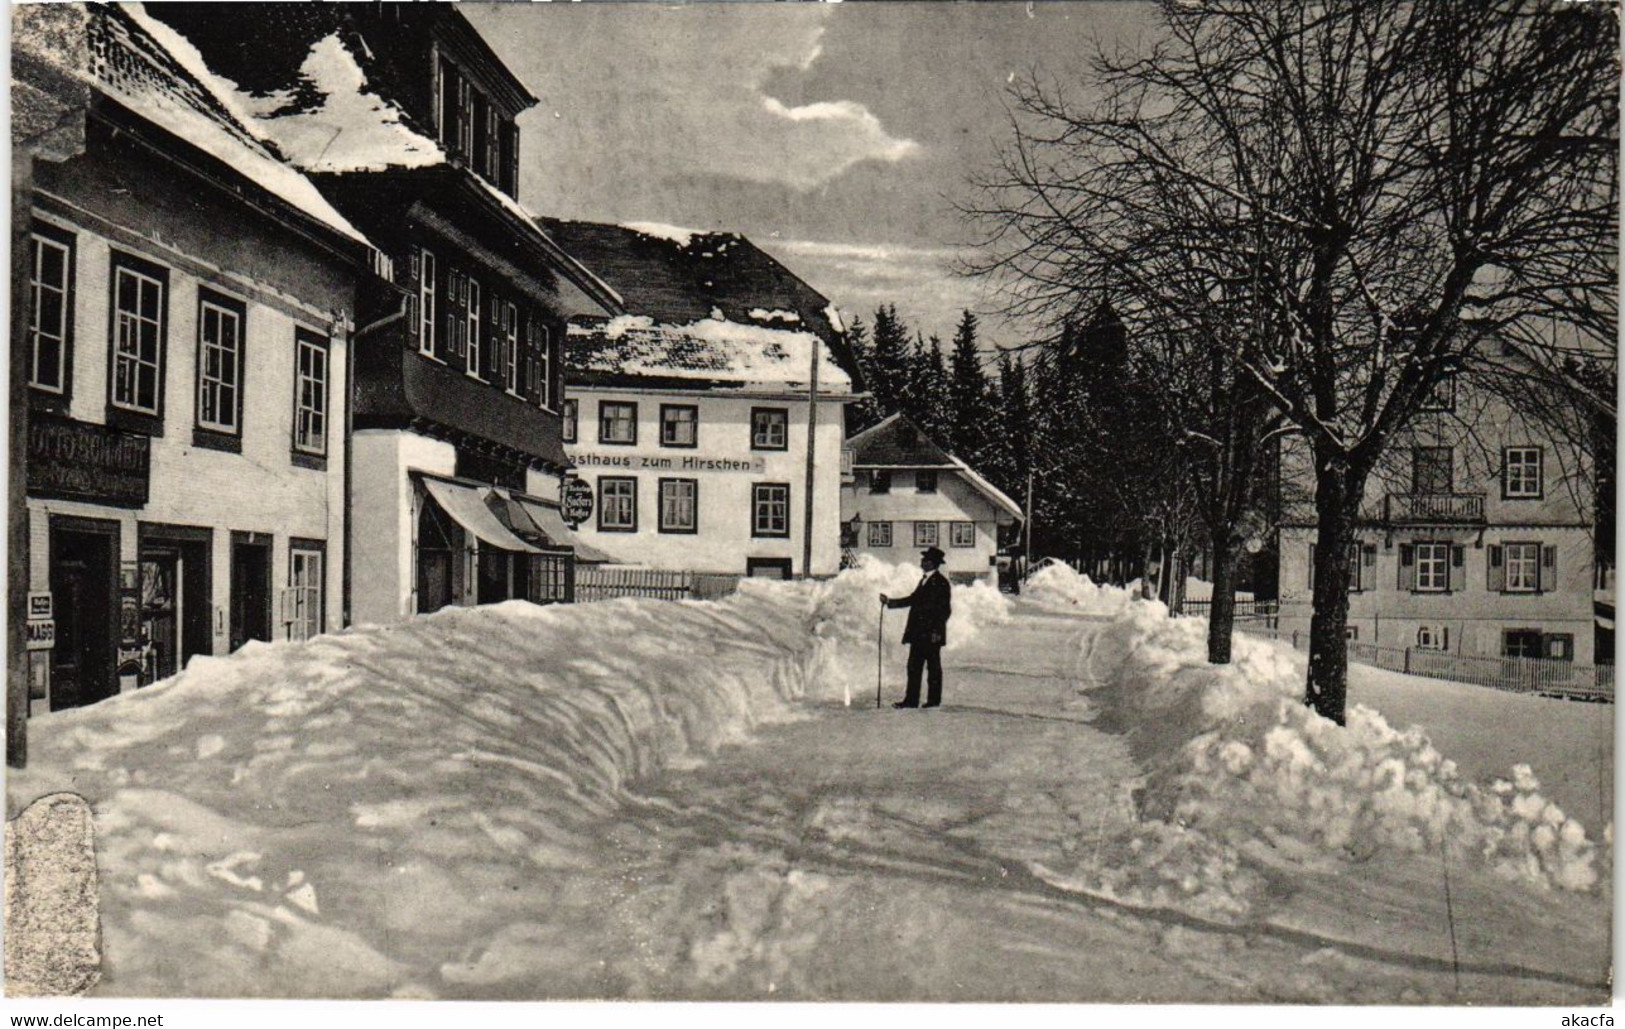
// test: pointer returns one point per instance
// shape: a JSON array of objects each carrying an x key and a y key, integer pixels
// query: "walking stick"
[{"x": 880, "y": 652}]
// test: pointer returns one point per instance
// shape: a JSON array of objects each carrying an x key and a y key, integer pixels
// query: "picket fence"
[{"x": 1541, "y": 676}]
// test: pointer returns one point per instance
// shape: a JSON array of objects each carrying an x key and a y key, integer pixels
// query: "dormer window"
[{"x": 475, "y": 129}]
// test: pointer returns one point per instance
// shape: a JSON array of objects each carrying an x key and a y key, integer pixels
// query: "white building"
[
  {"x": 189, "y": 302},
  {"x": 709, "y": 420},
  {"x": 1476, "y": 543},
  {"x": 906, "y": 494}
]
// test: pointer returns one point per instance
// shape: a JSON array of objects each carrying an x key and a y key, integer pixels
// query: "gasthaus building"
[
  {"x": 188, "y": 303},
  {"x": 906, "y": 493},
  {"x": 707, "y": 421},
  {"x": 456, "y": 449}
]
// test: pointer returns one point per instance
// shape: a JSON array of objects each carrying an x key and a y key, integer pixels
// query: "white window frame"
[
  {"x": 306, "y": 600},
  {"x": 544, "y": 367},
  {"x": 690, "y": 503},
  {"x": 604, "y": 423},
  {"x": 210, "y": 387},
  {"x": 628, "y": 498},
  {"x": 471, "y": 317},
  {"x": 132, "y": 320},
  {"x": 770, "y": 508},
  {"x": 1530, "y": 473},
  {"x": 1527, "y": 559},
  {"x": 776, "y": 417},
  {"x": 310, "y": 409},
  {"x": 1427, "y": 555},
  {"x": 428, "y": 302},
  {"x": 570, "y": 421},
  {"x": 880, "y": 534},
  {"x": 37, "y": 330},
  {"x": 927, "y": 534},
  {"x": 510, "y": 347},
  {"x": 954, "y": 533}
]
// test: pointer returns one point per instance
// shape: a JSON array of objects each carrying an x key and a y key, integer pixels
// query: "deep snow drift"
[
  {"x": 473, "y": 804},
  {"x": 1234, "y": 762}
]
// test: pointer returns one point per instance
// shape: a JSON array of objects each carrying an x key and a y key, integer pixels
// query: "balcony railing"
[{"x": 1435, "y": 508}]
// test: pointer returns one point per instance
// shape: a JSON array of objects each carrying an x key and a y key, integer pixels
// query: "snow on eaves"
[
  {"x": 834, "y": 318},
  {"x": 761, "y": 314},
  {"x": 709, "y": 349},
  {"x": 351, "y": 130},
  {"x": 659, "y": 230},
  {"x": 150, "y": 68}
]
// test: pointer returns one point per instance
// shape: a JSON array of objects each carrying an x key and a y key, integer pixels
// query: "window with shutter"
[
  {"x": 1407, "y": 567},
  {"x": 1457, "y": 576},
  {"x": 1548, "y": 569},
  {"x": 1496, "y": 577}
]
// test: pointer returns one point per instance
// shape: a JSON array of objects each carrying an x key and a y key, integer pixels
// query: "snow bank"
[
  {"x": 1059, "y": 586},
  {"x": 1240, "y": 774},
  {"x": 291, "y": 817}
]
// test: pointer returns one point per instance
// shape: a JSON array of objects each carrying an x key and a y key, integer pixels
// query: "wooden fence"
[
  {"x": 596, "y": 582},
  {"x": 1542, "y": 676}
]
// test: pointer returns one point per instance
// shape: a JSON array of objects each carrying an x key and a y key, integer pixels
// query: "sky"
[{"x": 838, "y": 137}]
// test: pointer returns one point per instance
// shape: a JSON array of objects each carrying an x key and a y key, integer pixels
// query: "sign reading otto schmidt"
[
  {"x": 669, "y": 462},
  {"x": 74, "y": 460}
]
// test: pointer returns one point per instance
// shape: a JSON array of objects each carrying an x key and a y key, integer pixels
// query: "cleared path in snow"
[{"x": 880, "y": 855}]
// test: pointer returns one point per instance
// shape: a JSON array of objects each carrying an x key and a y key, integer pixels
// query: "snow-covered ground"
[{"x": 651, "y": 799}]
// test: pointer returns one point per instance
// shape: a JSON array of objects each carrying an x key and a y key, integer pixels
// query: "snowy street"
[{"x": 696, "y": 814}]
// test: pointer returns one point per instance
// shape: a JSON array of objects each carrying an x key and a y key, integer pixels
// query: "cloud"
[{"x": 693, "y": 91}]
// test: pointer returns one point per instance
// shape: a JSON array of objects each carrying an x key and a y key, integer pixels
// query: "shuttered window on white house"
[{"x": 304, "y": 597}]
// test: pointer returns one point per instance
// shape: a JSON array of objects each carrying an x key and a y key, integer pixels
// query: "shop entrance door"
[
  {"x": 83, "y": 590},
  {"x": 436, "y": 549},
  {"x": 161, "y": 612},
  {"x": 250, "y": 588},
  {"x": 176, "y": 601}
]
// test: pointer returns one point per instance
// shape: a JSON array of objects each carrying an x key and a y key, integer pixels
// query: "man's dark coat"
[{"x": 928, "y": 609}]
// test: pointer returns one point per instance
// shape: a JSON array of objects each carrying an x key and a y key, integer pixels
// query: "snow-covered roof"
[
  {"x": 151, "y": 69},
  {"x": 710, "y": 350},
  {"x": 329, "y": 121},
  {"x": 897, "y": 442}
]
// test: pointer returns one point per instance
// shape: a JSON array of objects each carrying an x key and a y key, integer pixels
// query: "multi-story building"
[
  {"x": 906, "y": 493},
  {"x": 1475, "y": 538},
  {"x": 405, "y": 119},
  {"x": 188, "y": 301},
  {"x": 708, "y": 420}
]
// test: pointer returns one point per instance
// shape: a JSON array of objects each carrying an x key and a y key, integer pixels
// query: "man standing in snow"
[{"x": 929, "y": 607}]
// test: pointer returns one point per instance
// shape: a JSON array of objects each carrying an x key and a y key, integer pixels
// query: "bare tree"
[{"x": 1381, "y": 192}]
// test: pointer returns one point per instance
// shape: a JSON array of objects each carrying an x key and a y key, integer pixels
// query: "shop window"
[
  {"x": 571, "y": 407},
  {"x": 310, "y": 393},
  {"x": 925, "y": 534},
  {"x": 879, "y": 534},
  {"x": 770, "y": 509},
  {"x": 769, "y": 428},
  {"x": 139, "y": 324},
  {"x": 219, "y": 363},
  {"x": 1521, "y": 473},
  {"x": 925, "y": 480},
  {"x": 617, "y": 504},
  {"x": 617, "y": 422},
  {"x": 679, "y": 425},
  {"x": 679, "y": 505},
  {"x": 50, "y": 313}
]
